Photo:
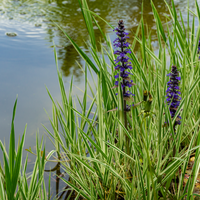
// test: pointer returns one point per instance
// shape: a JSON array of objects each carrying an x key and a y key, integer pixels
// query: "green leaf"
[{"x": 80, "y": 52}]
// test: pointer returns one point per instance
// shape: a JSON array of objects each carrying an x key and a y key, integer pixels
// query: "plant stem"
[
  {"x": 174, "y": 148},
  {"x": 125, "y": 116}
]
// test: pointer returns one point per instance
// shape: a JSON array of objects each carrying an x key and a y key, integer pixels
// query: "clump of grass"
[
  {"x": 95, "y": 156},
  {"x": 15, "y": 184}
]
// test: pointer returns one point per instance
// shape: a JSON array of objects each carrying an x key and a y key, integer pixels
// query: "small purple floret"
[{"x": 173, "y": 93}]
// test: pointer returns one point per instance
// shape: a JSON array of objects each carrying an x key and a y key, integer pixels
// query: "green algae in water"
[
  {"x": 38, "y": 25},
  {"x": 45, "y": 20},
  {"x": 58, "y": 46},
  {"x": 22, "y": 13},
  {"x": 11, "y": 34}
]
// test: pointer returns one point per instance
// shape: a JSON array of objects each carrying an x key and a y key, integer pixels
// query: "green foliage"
[
  {"x": 93, "y": 138},
  {"x": 13, "y": 178}
]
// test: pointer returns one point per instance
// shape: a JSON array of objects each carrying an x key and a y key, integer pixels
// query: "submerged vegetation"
[{"x": 112, "y": 149}]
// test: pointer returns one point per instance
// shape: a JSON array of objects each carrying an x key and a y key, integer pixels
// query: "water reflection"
[
  {"x": 67, "y": 192},
  {"x": 68, "y": 15},
  {"x": 58, "y": 173}
]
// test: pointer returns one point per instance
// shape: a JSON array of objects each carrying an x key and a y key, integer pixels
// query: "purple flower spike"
[
  {"x": 122, "y": 61},
  {"x": 173, "y": 93},
  {"x": 198, "y": 52}
]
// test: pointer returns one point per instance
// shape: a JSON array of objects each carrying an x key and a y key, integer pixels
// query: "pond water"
[{"x": 27, "y": 60}]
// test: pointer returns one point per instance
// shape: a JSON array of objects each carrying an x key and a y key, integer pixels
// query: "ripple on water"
[
  {"x": 18, "y": 32},
  {"x": 64, "y": 2},
  {"x": 53, "y": 4}
]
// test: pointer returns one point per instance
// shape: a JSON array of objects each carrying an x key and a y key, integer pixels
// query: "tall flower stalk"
[
  {"x": 122, "y": 64},
  {"x": 173, "y": 94}
]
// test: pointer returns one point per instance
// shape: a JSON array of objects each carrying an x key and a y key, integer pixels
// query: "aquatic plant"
[
  {"x": 122, "y": 64},
  {"x": 14, "y": 182},
  {"x": 173, "y": 93},
  {"x": 84, "y": 135},
  {"x": 100, "y": 168}
]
